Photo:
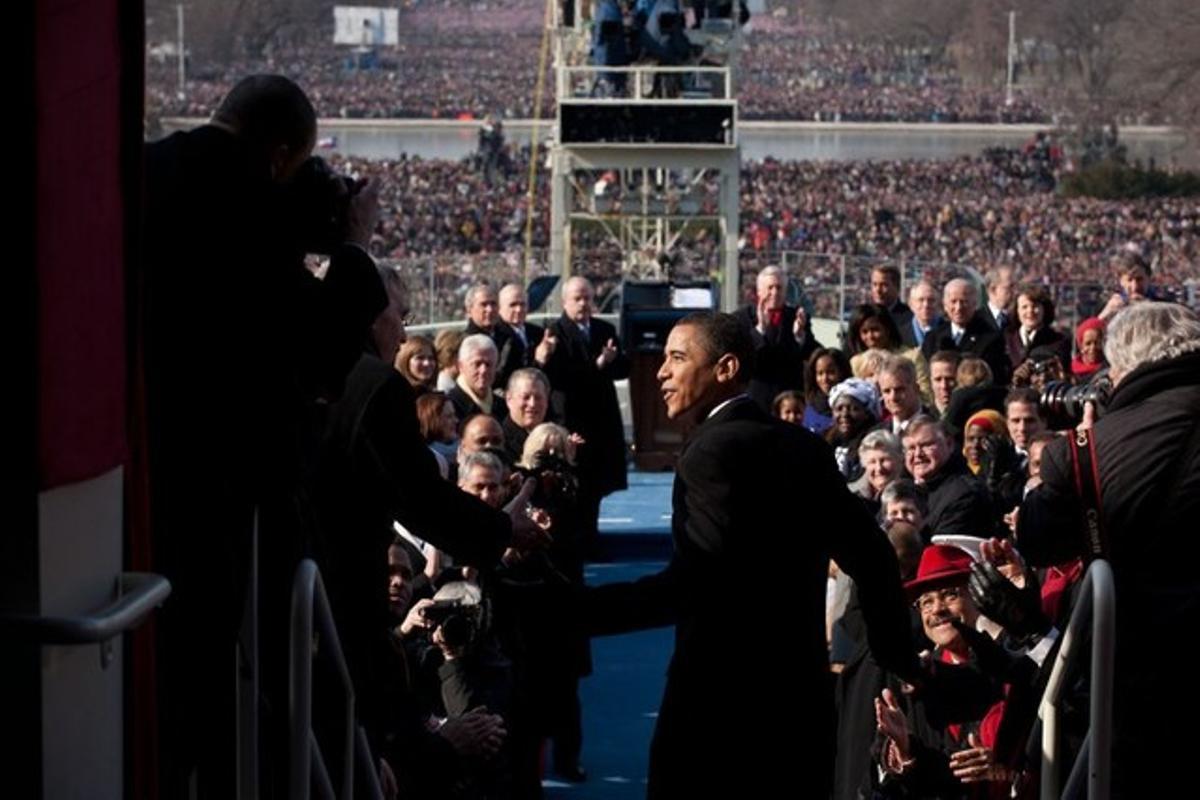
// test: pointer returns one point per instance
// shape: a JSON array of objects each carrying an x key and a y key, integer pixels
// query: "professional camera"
[
  {"x": 460, "y": 621},
  {"x": 556, "y": 486},
  {"x": 1062, "y": 404},
  {"x": 319, "y": 205}
]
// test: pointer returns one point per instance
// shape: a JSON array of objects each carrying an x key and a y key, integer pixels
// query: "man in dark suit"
[
  {"x": 224, "y": 294},
  {"x": 736, "y": 471},
  {"x": 965, "y": 332},
  {"x": 527, "y": 345},
  {"x": 474, "y": 388},
  {"x": 1001, "y": 284},
  {"x": 923, "y": 302},
  {"x": 374, "y": 468},
  {"x": 586, "y": 360},
  {"x": 782, "y": 339},
  {"x": 885, "y": 291}
]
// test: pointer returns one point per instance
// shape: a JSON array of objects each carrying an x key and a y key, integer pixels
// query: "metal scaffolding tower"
[{"x": 645, "y": 158}]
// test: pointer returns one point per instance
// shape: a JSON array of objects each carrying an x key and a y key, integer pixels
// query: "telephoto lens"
[{"x": 1062, "y": 404}]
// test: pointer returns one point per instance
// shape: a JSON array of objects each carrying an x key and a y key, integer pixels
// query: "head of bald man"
[{"x": 577, "y": 300}]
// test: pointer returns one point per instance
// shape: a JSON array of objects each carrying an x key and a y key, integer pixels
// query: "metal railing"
[
  {"x": 697, "y": 85},
  {"x": 833, "y": 283},
  {"x": 1097, "y": 605},
  {"x": 314, "y": 635},
  {"x": 137, "y": 594}
]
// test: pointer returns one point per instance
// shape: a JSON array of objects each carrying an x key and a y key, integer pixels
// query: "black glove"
[
  {"x": 999, "y": 459},
  {"x": 1019, "y": 611}
]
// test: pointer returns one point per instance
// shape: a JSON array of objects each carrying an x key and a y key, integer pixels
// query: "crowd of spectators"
[
  {"x": 950, "y": 470},
  {"x": 451, "y": 64},
  {"x": 996, "y": 208}
]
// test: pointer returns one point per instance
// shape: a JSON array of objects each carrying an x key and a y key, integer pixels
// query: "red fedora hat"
[{"x": 941, "y": 565}]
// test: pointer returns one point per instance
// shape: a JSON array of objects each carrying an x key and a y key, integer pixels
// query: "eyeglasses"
[
  {"x": 929, "y": 600},
  {"x": 925, "y": 446}
]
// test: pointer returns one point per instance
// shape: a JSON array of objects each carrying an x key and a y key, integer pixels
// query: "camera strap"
[{"x": 1087, "y": 488}]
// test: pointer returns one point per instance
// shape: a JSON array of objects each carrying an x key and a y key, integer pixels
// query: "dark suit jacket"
[
  {"x": 515, "y": 354},
  {"x": 584, "y": 398},
  {"x": 959, "y": 503},
  {"x": 375, "y": 468},
  {"x": 464, "y": 406},
  {"x": 977, "y": 340},
  {"x": 901, "y": 314},
  {"x": 909, "y": 336},
  {"x": 778, "y": 357},
  {"x": 514, "y": 438},
  {"x": 1043, "y": 337},
  {"x": 750, "y": 488}
]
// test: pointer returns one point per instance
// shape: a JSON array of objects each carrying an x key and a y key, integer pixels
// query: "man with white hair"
[
  {"x": 472, "y": 392},
  {"x": 1144, "y": 494},
  {"x": 923, "y": 302},
  {"x": 587, "y": 359},
  {"x": 782, "y": 338},
  {"x": 964, "y": 331}
]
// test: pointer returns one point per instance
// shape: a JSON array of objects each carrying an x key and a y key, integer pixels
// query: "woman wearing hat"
[
  {"x": 981, "y": 425},
  {"x": 1089, "y": 344},
  {"x": 856, "y": 408}
]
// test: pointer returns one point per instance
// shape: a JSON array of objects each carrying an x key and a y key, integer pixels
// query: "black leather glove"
[
  {"x": 999, "y": 459},
  {"x": 1019, "y": 611}
]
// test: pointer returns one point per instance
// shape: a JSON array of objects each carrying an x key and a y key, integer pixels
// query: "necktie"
[
  {"x": 957, "y": 337},
  {"x": 1001, "y": 320}
]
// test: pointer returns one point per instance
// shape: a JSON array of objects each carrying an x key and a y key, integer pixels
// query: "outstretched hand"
[{"x": 528, "y": 533}]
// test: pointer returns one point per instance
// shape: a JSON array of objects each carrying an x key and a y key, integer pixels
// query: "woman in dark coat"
[{"x": 1035, "y": 313}]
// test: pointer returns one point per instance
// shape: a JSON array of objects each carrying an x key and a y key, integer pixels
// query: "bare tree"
[{"x": 1161, "y": 41}]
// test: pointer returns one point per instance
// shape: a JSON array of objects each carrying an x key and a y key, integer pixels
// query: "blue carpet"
[
  {"x": 636, "y": 523},
  {"x": 620, "y": 702}
]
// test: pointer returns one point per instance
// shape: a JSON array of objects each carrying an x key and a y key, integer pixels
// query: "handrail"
[
  {"x": 311, "y": 613},
  {"x": 637, "y": 72},
  {"x": 1097, "y": 604},
  {"x": 138, "y": 593}
]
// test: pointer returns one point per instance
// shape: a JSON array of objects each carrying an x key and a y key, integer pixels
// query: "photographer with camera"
[
  {"x": 1138, "y": 476},
  {"x": 555, "y": 652},
  {"x": 238, "y": 342}
]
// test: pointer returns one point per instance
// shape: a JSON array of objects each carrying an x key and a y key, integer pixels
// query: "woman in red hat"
[{"x": 1089, "y": 344}]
